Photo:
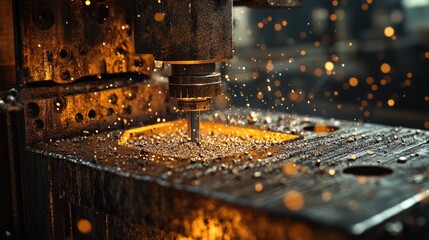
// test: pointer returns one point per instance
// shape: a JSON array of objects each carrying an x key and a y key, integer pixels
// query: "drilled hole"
[
  {"x": 321, "y": 128},
  {"x": 43, "y": 18},
  {"x": 368, "y": 170},
  {"x": 38, "y": 125},
  {"x": 92, "y": 114},
  {"x": 33, "y": 110},
  {"x": 138, "y": 63},
  {"x": 110, "y": 112},
  {"x": 65, "y": 75},
  {"x": 64, "y": 54},
  {"x": 78, "y": 117}
]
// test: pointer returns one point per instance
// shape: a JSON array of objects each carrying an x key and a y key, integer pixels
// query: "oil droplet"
[
  {"x": 353, "y": 82},
  {"x": 391, "y": 102},
  {"x": 84, "y": 226},
  {"x": 326, "y": 196},
  {"x": 270, "y": 65},
  {"x": 290, "y": 169},
  {"x": 259, "y": 187},
  {"x": 385, "y": 68},
  {"x": 159, "y": 16},
  {"x": 293, "y": 200}
]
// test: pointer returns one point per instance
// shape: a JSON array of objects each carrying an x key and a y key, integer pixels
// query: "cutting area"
[{"x": 217, "y": 140}]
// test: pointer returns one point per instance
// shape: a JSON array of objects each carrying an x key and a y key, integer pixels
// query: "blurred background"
[{"x": 366, "y": 61}]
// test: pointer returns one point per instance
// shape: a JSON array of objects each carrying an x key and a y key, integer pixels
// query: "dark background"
[{"x": 284, "y": 69}]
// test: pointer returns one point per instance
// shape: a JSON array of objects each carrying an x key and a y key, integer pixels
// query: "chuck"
[{"x": 194, "y": 86}]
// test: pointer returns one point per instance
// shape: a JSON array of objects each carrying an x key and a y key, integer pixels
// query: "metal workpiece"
[
  {"x": 185, "y": 31},
  {"x": 339, "y": 180}
]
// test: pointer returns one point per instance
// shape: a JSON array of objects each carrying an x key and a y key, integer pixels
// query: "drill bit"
[{"x": 194, "y": 126}]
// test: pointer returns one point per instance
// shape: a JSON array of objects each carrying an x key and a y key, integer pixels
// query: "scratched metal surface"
[{"x": 93, "y": 171}]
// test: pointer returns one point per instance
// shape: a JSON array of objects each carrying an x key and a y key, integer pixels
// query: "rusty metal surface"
[
  {"x": 65, "y": 40},
  {"x": 55, "y": 112},
  {"x": 221, "y": 196}
]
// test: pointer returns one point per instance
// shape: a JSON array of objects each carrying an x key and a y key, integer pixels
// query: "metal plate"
[{"x": 301, "y": 190}]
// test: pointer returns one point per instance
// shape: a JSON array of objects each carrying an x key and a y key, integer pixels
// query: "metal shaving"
[{"x": 212, "y": 145}]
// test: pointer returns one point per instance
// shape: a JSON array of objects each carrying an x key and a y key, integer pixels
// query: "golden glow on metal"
[
  {"x": 322, "y": 128},
  {"x": 175, "y": 126}
]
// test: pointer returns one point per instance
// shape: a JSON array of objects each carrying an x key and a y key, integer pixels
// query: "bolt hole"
[
  {"x": 64, "y": 54},
  {"x": 33, "y": 110},
  {"x": 65, "y": 75},
  {"x": 92, "y": 114},
  {"x": 368, "y": 170},
  {"x": 321, "y": 128},
  {"x": 110, "y": 112},
  {"x": 44, "y": 18},
  {"x": 138, "y": 63},
  {"x": 38, "y": 125},
  {"x": 78, "y": 117}
]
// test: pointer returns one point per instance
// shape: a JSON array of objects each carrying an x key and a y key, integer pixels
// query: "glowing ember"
[{"x": 389, "y": 31}]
